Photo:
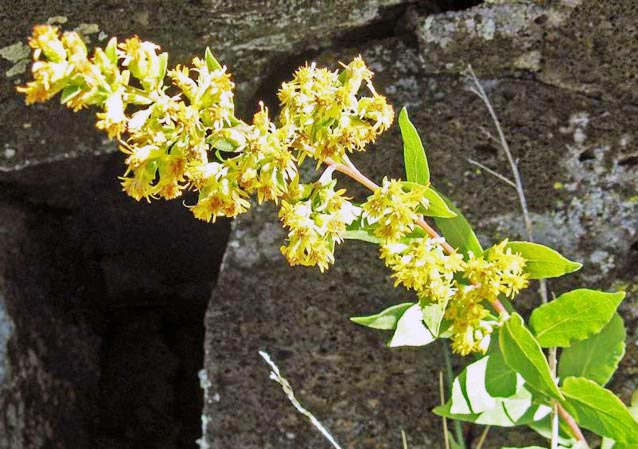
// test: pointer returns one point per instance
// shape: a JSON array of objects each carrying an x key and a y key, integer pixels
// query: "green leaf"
[
  {"x": 599, "y": 410},
  {"x": 211, "y": 62},
  {"x": 453, "y": 443},
  {"x": 500, "y": 379},
  {"x": 543, "y": 262},
  {"x": 163, "y": 58},
  {"x": 69, "y": 92},
  {"x": 523, "y": 354},
  {"x": 471, "y": 401},
  {"x": 437, "y": 206},
  {"x": 111, "y": 50},
  {"x": 457, "y": 231},
  {"x": 597, "y": 357},
  {"x": 410, "y": 329},
  {"x": 386, "y": 320},
  {"x": 608, "y": 443},
  {"x": 508, "y": 412},
  {"x": 573, "y": 316},
  {"x": 363, "y": 235},
  {"x": 416, "y": 164},
  {"x": 433, "y": 313}
]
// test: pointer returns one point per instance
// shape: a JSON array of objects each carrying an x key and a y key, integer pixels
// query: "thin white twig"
[
  {"x": 488, "y": 134},
  {"x": 542, "y": 289},
  {"x": 285, "y": 385},
  {"x": 481, "y": 441},
  {"x": 404, "y": 439},
  {"x": 492, "y": 172}
]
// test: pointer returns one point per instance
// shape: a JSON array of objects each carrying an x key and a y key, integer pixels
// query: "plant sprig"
[{"x": 184, "y": 135}]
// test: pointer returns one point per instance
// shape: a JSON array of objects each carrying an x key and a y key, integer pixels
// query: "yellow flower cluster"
[
  {"x": 316, "y": 216},
  {"x": 498, "y": 272},
  {"x": 464, "y": 287},
  {"x": 329, "y": 117},
  {"x": 393, "y": 208},
  {"x": 423, "y": 266},
  {"x": 186, "y": 136}
]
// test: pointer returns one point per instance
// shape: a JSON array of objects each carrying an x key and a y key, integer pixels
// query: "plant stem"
[
  {"x": 573, "y": 426},
  {"x": 481, "y": 440},
  {"x": 351, "y": 171},
  {"x": 542, "y": 289},
  {"x": 446, "y": 437},
  {"x": 449, "y": 371}
]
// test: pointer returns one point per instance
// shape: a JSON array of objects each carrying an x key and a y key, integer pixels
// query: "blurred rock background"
[{"x": 109, "y": 308}]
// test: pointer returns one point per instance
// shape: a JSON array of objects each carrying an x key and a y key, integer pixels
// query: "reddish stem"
[
  {"x": 351, "y": 171},
  {"x": 573, "y": 426}
]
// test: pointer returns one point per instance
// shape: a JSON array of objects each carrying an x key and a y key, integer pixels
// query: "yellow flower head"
[
  {"x": 266, "y": 165},
  {"x": 393, "y": 208},
  {"x": 470, "y": 327},
  {"x": 142, "y": 59},
  {"x": 498, "y": 271},
  {"x": 45, "y": 39},
  {"x": 49, "y": 78},
  {"x": 219, "y": 193},
  {"x": 316, "y": 220},
  {"x": 75, "y": 47},
  {"x": 422, "y": 265},
  {"x": 113, "y": 119},
  {"x": 213, "y": 88},
  {"x": 329, "y": 117}
]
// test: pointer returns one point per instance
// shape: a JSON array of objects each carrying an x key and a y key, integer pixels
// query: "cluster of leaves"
[
  {"x": 512, "y": 385},
  {"x": 186, "y": 136}
]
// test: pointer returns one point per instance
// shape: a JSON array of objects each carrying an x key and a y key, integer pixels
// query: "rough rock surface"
[
  {"x": 571, "y": 129},
  {"x": 102, "y": 300}
]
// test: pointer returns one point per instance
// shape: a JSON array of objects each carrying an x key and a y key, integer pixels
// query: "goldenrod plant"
[{"x": 183, "y": 135}]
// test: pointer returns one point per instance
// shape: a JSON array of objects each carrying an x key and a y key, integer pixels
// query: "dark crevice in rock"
[
  {"x": 441, "y": 6},
  {"x": 110, "y": 296}
]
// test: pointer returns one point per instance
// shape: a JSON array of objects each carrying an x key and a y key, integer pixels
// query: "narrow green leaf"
[
  {"x": 471, "y": 401},
  {"x": 163, "y": 57},
  {"x": 597, "y": 357},
  {"x": 437, "y": 206},
  {"x": 457, "y": 231},
  {"x": 433, "y": 313},
  {"x": 410, "y": 329},
  {"x": 573, "y": 316},
  {"x": 386, "y": 320},
  {"x": 508, "y": 412},
  {"x": 542, "y": 261},
  {"x": 444, "y": 410},
  {"x": 599, "y": 410},
  {"x": 416, "y": 164},
  {"x": 453, "y": 443},
  {"x": 69, "y": 92},
  {"x": 211, "y": 62},
  {"x": 111, "y": 50},
  {"x": 500, "y": 379},
  {"x": 523, "y": 354}
]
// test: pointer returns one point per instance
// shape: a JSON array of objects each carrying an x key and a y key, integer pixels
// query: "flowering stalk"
[{"x": 184, "y": 136}]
